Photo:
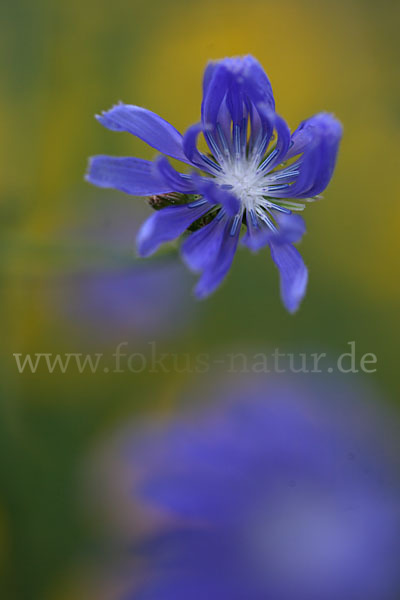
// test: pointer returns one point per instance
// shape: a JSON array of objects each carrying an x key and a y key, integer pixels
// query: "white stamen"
[
  {"x": 244, "y": 181},
  {"x": 254, "y": 186}
]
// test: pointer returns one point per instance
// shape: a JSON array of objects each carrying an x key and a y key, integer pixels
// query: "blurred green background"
[{"x": 60, "y": 64}]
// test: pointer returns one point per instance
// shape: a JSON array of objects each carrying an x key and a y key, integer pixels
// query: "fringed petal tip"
[{"x": 146, "y": 125}]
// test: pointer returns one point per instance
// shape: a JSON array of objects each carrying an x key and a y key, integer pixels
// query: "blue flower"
[
  {"x": 256, "y": 175},
  {"x": 139, "y": 301},
  {"x": 286, "y": 493},
  {"x": 126, "y": 298}
]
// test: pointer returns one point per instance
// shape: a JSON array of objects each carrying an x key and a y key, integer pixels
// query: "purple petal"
[
  {"x": 293, "y": 274},
  {"x": 177, "y": 181},
  {"x": 318, "y": 139},
  {"x": 131, "y": 175},
  {"x": 215, "y": 87},
  {"x": 283, "y": 136},
  {"x": 217, "y": 270},
  {"x": 261, "y": 128},
  {"x": 291, "y": 230},
  {"x": 192, "y": 154},
  {"x": 216, "y": 194},
  {"x": 201, "y": 248},
  {"x": 147, "y": 126},
  {"x": 241, "y": 80},
  {"x": 165, "y": 225},
  {"x": 258, "y": 234},
  {"x": 300, "y": 139},
  {"x": 256, "y": 82}
]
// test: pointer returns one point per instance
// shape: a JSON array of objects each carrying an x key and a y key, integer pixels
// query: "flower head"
[
  {"x": 256, "y": 176},
  {"x": 273, "y": 491}
]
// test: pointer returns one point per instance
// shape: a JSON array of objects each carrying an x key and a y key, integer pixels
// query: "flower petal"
[
  {"x": 293, "y": 274},
  {"x": 215, "y": 194},
  {"x": 260, "y": 131},
  {"x": 242, "y": 80},
  {"x": 131, "y": 175},
  {"x": 192, "y": 154},
  {"x": 258, "y": 234},
  {"x": 300, "y": 139},
  {"x": 215, "y": 87},
  {"x": 177, "y": 181},
  {"x": 318, "y": 139},
  {"x": 291, "y": 230},
  {"x": 147, "y": 126},
  {"x": 165, "y": 225},
  {"x": 256, "y": 82},
  {"x": 216, "y": 271},
  {"x": 283, "y": 137},
  {"x": 201, "y": 247}
]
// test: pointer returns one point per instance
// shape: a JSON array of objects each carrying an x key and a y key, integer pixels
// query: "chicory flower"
[
  {"x": 272, "y": 491},
  {"x": 255, "y": 177}
]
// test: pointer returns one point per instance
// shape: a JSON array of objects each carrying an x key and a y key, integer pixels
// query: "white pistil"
[
  {"x": 248, "y": 185},
  {"x": 255, "y": 186}
]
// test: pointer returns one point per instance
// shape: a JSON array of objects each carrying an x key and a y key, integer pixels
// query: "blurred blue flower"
[
  {"x": 107, "y": 302},
  {"x": 139, "y": 301},
  {"x": 284, "y": 494},
  {"x": 248, "y": 179}
]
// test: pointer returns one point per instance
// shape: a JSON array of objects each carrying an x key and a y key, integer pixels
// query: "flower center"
[{"x": 244, "y": 182}]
